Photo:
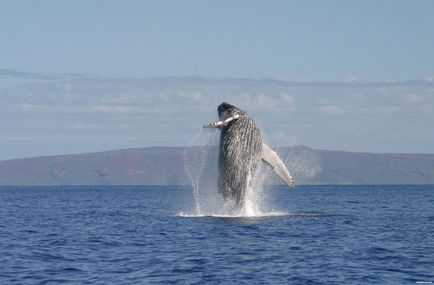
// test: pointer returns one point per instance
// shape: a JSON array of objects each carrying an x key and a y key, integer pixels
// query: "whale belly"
[{"x": 239, "y": 156}]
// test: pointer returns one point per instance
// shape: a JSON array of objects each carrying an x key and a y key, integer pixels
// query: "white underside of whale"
[{"x": 274, "y": 161}]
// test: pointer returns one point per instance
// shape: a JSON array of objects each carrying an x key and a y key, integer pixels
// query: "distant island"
[{"x": 166, "y": 166}]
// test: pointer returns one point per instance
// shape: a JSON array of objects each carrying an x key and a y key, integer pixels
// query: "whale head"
[{"x": 227, "y": 113}]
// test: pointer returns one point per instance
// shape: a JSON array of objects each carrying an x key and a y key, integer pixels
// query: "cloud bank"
[{"x": 70, "y": 113}]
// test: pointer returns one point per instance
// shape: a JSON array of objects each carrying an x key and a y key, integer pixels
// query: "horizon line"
[{"x": 192, "y": 146}]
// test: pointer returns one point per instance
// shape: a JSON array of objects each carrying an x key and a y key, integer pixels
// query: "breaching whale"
[{"x": 240, "y": 150}]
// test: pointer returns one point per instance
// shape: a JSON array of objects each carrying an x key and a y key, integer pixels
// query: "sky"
[
  {"x": 322, "y": 40},
  {"x": 83, "y": 76}
]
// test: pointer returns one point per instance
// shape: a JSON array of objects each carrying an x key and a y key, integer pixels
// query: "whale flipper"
[
  {"x": 273, "y": 160},
  {"x": 221, "y": 123}
]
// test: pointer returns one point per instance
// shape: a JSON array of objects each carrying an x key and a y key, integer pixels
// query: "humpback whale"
[{"x": 240, "y": 151}]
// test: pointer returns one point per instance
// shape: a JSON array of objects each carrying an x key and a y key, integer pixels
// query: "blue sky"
[
  {"x": 322, "y": 40},
  {"x": 83, "y": 76}
]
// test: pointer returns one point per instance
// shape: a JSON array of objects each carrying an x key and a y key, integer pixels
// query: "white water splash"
[
  {"x": 262, "y": 215},
  {"x": 208, "y": 202},
  {"x": 195, "y": 158}
]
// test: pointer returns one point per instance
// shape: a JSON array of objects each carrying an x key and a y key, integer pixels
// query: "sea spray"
[
  {"x": 201, "y": 159},
  {"x": 201, "y": 168},
  {"x": 196, "y": 159},
  {"x": 193, "y": 167},
  {"x": 303, "y": 162}
]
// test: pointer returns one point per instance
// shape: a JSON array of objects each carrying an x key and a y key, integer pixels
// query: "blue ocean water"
[{"x": 135, "y": 235}]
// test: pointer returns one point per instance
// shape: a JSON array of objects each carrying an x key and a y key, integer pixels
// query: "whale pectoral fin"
[
  {"x": 221, "y": 123},
  {"x": 273, "y": 160},
  {"x": 217, "y": 124}
]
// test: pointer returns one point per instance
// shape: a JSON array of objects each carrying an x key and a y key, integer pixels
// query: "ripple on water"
[
  {"x": 262, "y": 215},
  {"x": 127, "y": 235}
]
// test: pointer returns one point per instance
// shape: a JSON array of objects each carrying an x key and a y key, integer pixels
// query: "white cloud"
[
  {"x": 79, "y": 109},
  {"x": 67, "y": 87},
  {"x": 359, "y": 97},
  {"x": 80, "y": 126},
  {"x": 287, "y": 98},
  {"x": 415, "y": 98},
  {"x": 244, "y": 100},
  {"x": 331, "y": 110},
  {"x": 116, "y": 109},
  {"x": 263, "y": 101},
  {"x": 194, "y": 96},
  {"x": 294, "y": 79},
  {"x": 281, "y": 139},
  {"x": 287, "y": 102},
  {"x": 388, "y": 109},
  {"x": 351, "y": 78},
  {"x": 291, "y": 113}
]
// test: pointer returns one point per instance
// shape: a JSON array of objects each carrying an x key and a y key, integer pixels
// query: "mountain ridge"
[{"x": 165, "y": 165}]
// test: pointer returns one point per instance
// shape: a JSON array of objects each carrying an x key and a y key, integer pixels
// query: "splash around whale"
[{"x": 240, "y": 150}]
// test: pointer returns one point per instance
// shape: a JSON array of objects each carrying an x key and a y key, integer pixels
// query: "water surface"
[{"x": 138, "y": 235}]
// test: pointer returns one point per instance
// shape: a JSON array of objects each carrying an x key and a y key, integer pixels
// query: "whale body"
[{"x": 240, "y": 150}]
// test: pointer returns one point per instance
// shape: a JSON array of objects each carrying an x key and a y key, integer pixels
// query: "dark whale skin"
[{"x": 239, "y": 154}]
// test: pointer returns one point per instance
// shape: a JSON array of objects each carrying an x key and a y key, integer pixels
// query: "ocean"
[{"x": 154, "y": 235}]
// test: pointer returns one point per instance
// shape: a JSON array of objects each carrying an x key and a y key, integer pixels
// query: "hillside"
[{"x": 166, "y": 166}]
